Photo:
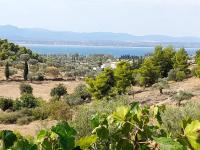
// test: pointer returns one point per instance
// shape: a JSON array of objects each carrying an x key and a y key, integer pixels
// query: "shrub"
[
  {"x": 81, "y": 91},
  {"x": 6, "y": 103},
  {"x": 39, "y": 77},
  {"x": 73, "y": 99},
  {"x": 60, "y": 111},
  {"x": 52, "y": 71},
  {"x": 17, "y": 105},
  {"x": 28, "y": 101},
  {"x": 196, "y": 71},
  {"x": 26, "y": 88},
  {"x": 172, "y": 75},
  {"x": 57, "y": 110},
  {"x": 41, "y": 113},
  {"x": 180, "y": 75},
  {"x": 176, "y": 75},
  {"x": 9, "y": 118},
  {"x": 59, "y": 91},
  {"x": 182, "y": 95},
  {"x": 161, "y": 84},
  {"x": 25, "y": 120},
  {"x": 82, "y": 119},
  {"x": 17, "y": 116},
  {"x": 173, "y": 116}
]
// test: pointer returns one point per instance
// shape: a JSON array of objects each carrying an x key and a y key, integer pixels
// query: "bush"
[
  {"x": 6, "y": 103},
  {"x": 25, "y": 120},
  {"x": 81, "y": 91},
  {"x": 176, "y": 75},
  {"x": 79, "y": 96},
  {"x": 173, "y": 116},
  {"x": 196, "y": 71},
  {"x": 26, "y": 88},
  {"x": 28, "y": 101},
  {"x": 39, "y": 77},
  {"x": 59, "y": 91},
  {"x": 17, "y": 105},
  {"x": 41, "y": 113},
  {"x": 9, "y": 118},
  {"x": 180, "y": 75},
  {"x": 57, "y": 110},
  {"x": 17, "y": 117},
  {"x": 60, "y": 111},
  {"x": 172, "y": 75},
  {"x": 73, "y": 99},
  {"x": 182, "y": 95},
  {"x": 82, "y": 119}
]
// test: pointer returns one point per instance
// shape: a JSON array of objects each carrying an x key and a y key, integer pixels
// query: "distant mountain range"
[{"x": 42, "y": 35}]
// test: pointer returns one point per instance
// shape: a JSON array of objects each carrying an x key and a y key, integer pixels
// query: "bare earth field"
[
  {"x": 40, "y": 89},
  {"x": 148, "y": 96}
]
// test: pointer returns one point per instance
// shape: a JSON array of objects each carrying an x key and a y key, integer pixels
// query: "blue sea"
[{"x": 89, "y": 50}]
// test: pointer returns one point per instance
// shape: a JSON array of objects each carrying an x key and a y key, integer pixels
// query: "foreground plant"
[{"x": 128, "y": 128}]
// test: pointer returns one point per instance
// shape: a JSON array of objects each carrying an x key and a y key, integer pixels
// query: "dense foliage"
[
  {"x": 127, "y": 128},
  {"x": 11, "y": 51},
  {"x": 59, "y": 91}
]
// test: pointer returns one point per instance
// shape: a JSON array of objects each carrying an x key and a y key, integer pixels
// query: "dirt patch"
[
  {"x": 42, "y": 89},
  {"x": 151, "y": 96},
  {"x": 31, "y": 129}
]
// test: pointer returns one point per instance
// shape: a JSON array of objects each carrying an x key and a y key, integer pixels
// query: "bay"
[{"x": 90, "y": 50}]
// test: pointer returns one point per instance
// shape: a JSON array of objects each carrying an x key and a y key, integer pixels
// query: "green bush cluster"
[
  {"x": 126, "y": 128},
  {"x": 25, "y": 88},
  {"x": 58, "y": 91},
  {"x": 176, "y": 75},
  {"x": 6, "y": 103},
  {"x": 80, "y": 96}
]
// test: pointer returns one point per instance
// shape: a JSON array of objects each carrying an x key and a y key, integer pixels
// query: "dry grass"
[
  {"x": 152, "y": 96},
  {"x": 11, "y": 88},
  {"x": 31, "y": 129}
]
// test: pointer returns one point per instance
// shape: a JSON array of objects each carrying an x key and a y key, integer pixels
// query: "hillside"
[{"x": 38, "y": 34}]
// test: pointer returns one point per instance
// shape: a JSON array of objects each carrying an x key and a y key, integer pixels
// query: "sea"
[{"x": 90, "y": 50}]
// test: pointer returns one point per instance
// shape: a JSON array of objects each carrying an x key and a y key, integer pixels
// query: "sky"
[{"x": 137, "y": 17}]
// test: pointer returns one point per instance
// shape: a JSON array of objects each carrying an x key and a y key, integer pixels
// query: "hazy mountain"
[{"x": 36, "y": 34}]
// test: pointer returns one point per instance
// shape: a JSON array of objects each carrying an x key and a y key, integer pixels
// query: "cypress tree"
[
  {"x": 26, "y": 70},
  {"x": 7, "y": 72}
]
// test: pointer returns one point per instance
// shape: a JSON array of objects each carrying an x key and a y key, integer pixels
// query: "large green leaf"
[
  {"x": 168, "y": 144},
  {"x": 23, "y": 144},
  {"x": 120, "y": 114},
  {"x": 192, "y": 132},
  {"x": 66, "y": 135},
  {"x": 102, "y": 132},
  {"x": 8, "y": 138},
  {"x": 95, "y": 120},
  {"x": 42, "y": 135},
  {"x": 86, "y": 142}
]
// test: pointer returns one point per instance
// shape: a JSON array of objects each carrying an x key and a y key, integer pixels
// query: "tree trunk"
[{"x": 161, "y": 92}]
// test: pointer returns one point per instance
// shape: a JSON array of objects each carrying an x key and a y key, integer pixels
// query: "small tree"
[
  {"x": 25, "y": 88},
  {"x": 58, "y": 91},
  {"x": 7, "y": 71},
  {"x": 123, "y": 75},
  {"x": 182, "y": 95},
  {"x": 25, "y": 70},
  {"x": 181, "y": 60},
  {"x": 101, "y": 86},
  {"x": 148, "y": 73},
  {"x": 25, "y": 58},
  {"x": 161, "y": 84}
]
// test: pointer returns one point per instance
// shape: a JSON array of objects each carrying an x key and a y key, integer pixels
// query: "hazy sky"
[{"x": 138, "y": 17}]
